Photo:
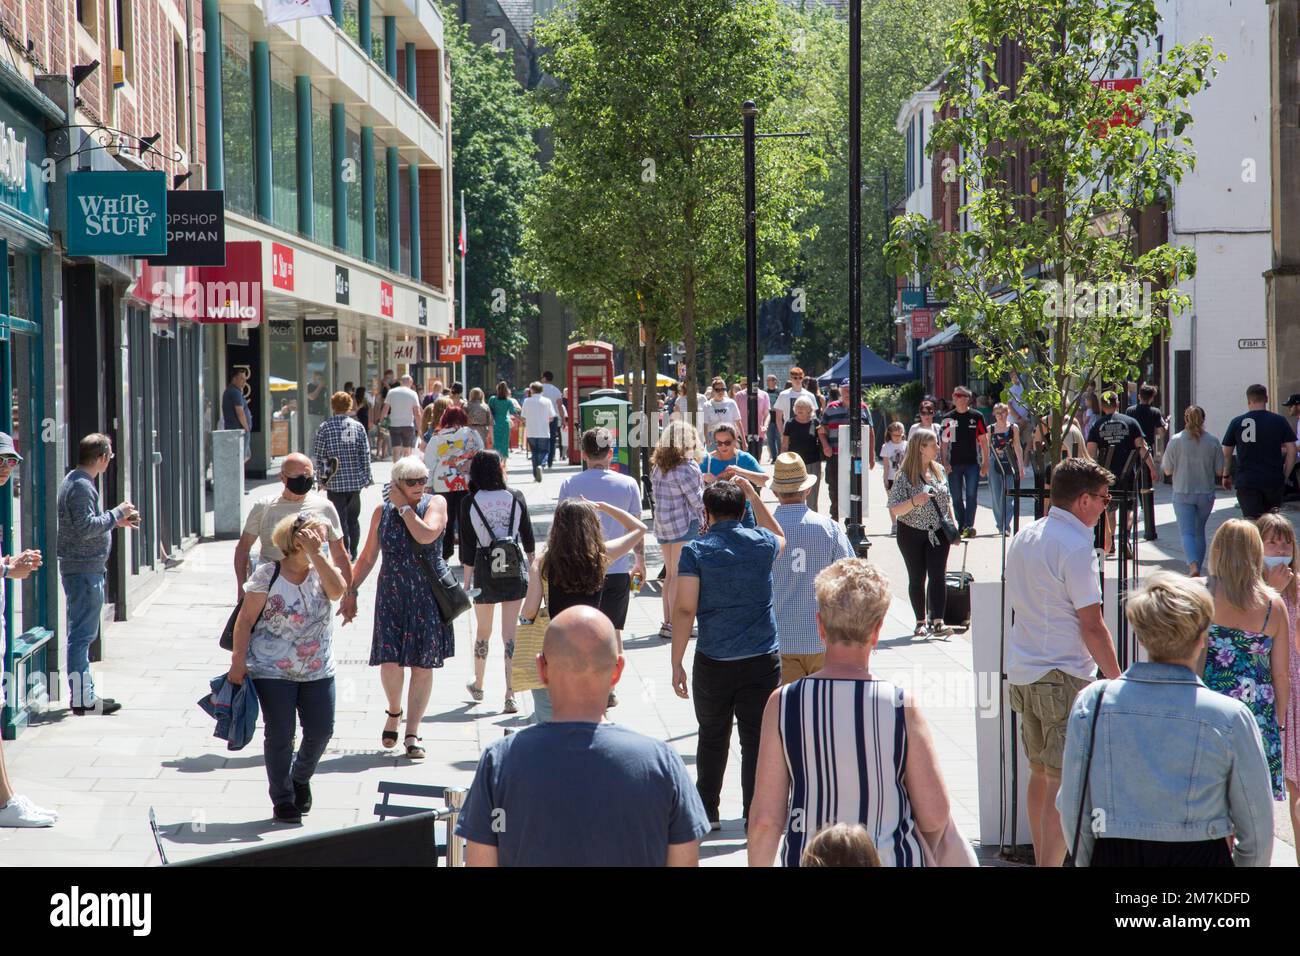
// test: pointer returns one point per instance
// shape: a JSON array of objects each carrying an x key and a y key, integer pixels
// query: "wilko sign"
[
  {"x": 233, "y": 292},
  {"x": 449, "y": 350},
  {"x": 473, "y": 342},
  {"x": 922, "y": 323},
  {"x": 281, "y": 266},
  {"x": 386, "y": 299}
]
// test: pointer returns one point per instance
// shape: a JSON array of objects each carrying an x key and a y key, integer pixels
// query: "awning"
[{"x": 942, "y": 338}]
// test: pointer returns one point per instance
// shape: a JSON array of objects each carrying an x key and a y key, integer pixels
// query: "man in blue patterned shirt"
[
  {"x": 342, "y": 456},
  {"x": 812, "y": 543}
]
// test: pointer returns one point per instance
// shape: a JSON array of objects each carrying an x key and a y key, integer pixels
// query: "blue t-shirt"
[
  {"x": 734, "y": 565},
  {"x": 712, "y": 465},
  {"x": 578, "y": 794},
  {"x": 1258, "y": 437}
]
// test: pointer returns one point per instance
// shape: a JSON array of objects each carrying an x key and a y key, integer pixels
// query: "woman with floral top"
[
  {"x": 678, "y": 489},
  {"x": 1247, "y": 657},
  {"x": 919, "y": 500},
  {"x": 282, "y": 642}
]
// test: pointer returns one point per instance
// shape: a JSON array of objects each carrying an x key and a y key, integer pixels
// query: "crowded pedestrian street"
[{"x": 158, "y": 752}]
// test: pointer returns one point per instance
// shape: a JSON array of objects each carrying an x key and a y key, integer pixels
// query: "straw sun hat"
[{"x": 789, "y": 476}]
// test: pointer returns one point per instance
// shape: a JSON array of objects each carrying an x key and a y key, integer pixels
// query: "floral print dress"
[
  {"x": 409, "y": 629},
  {"x": 292, "y": 638},
  {"x": 1238, "y": 664}
]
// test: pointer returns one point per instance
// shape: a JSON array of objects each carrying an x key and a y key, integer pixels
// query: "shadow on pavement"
[
  {"x": 206, "y": 763},
  {"x": 218, "y": 833}
]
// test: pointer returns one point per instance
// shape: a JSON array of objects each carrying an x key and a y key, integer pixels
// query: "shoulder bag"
[
  {"x": 452, "y": 599},
  {"x": 227, "y": 640},
  {"x": 1087, "y": 770}
]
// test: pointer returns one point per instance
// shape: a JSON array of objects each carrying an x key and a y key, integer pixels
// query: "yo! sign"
[{"x": 449, "y": 350}]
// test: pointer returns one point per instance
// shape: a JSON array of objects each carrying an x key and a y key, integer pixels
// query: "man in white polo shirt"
[
  {"x": 539, "y": 413},
  {"x": 402, "y": 409},
  {"x": 1058, "y": 637}
]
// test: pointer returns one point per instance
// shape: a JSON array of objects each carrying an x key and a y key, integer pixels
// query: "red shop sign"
[
  {"x": 386, "y": 299},
  {"x": 233, "y": 292},
  {"x": 473, "y": 342},
  {"x": 281, "y": 266}
]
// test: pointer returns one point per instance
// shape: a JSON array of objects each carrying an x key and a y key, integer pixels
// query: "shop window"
[
  {"x": 352, "y": 184},
  {"x": 237, "y": 118},
  {"x": 178, "y": 95}
]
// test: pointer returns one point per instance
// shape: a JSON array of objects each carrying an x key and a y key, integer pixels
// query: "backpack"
[{"x": 502, "y": 559}]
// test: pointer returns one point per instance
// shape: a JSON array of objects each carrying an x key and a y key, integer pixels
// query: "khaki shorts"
[
  {"x": 1044, "y": 709},
  {"x": 795, "y": 666}
]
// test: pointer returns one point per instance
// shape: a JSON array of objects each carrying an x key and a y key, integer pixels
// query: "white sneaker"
[
  {"x": 41, "y": 811},
  {"x": 16, "y": 814}
]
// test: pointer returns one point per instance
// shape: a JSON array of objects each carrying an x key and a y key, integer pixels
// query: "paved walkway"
[{"x": 104, "y": 773}]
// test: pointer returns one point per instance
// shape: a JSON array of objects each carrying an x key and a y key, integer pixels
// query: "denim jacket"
[{"x": 1174, "y": 761}]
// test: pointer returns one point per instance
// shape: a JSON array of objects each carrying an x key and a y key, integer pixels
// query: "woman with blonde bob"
[
  {"x": 920, "y": 501},
  {"x": 678, "y": 486},
  {"x": 282, "y": 641},
  {"x": 1159, "y": 770},
  {"x": 1248, "y": 655}
]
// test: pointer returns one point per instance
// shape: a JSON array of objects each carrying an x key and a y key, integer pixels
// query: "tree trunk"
[
  {"x": 636, "y": 382},
  {"x": 650, "y": 405}
]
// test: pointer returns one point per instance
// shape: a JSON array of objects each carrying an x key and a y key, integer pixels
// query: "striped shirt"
[
  {"x": 837, "y": 414},
  {"x": 845, "y": 744},
  {"x": 812, "y": 542},
  {"x": 343, "y": 438}
]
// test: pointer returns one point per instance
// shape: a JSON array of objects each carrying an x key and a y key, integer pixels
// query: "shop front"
[{"x": 26, "y": 500}]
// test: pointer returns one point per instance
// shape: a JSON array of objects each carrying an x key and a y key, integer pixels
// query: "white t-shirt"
[
  {"x": 933, "y": 428},
  {"x": 891, "y": 453},
  {"x": 785, "y": 401},
  {"x": 266, "y": 513},
  {"x": 403, "y": 407},
  {"x": 538, "y": 412},
  {"x": 556, "y": 397},
  {"x": 715, "y": 412},
  {"x": 1051, "y": 574}
]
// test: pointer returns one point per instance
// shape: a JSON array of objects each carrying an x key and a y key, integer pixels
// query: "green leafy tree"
[
  {"x": 902, "y": 52},
  {"x": 494, "y": 161},
  {"x": 1059, "y": 234},
  {"x": 634, "y": 221}
]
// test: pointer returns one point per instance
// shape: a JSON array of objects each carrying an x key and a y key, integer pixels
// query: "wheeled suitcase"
[{"x": 957, "y": 612}]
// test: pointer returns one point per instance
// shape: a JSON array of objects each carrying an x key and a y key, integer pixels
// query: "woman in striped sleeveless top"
[{"x": 842, "y": 747}]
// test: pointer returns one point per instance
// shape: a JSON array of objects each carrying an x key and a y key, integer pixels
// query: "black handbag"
[
  {"x": 227, "y": 640},
  {"x": 452, "y": 599},
  {"x": 1087, "y": 770}
]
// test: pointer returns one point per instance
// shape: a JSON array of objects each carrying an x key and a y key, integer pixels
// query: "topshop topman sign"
[
  {"x": 117, "y": 213},
  {"x": 196, "y": 229}
]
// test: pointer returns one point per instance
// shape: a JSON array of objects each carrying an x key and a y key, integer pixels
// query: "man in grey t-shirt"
[{"x": 581, "y": 791}]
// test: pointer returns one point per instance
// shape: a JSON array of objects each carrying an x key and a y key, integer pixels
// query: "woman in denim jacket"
[{"x": 1176, "y": 769}]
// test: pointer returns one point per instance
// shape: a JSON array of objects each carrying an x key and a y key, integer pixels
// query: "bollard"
[
  {"x": 455, "y": 844},
  {"x": 228, "y": 482}
]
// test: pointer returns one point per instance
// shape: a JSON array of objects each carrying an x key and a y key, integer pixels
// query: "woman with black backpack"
[{"x": 496, "y": 548}]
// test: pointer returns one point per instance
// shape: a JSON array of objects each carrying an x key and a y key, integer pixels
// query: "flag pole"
[{"x": 464, "y": 248}]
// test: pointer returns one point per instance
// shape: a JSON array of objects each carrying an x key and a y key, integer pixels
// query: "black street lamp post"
[
  {"x": 749, "y": 114},
  {"x": 854, "y": 530}
]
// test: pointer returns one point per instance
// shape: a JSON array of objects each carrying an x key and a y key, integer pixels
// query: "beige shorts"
[{"x": 1044, "y": 709}]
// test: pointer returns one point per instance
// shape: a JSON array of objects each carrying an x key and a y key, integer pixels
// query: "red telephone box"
[{"x": 590, "y": 367}]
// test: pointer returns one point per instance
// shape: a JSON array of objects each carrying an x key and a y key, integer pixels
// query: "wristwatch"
[{"x": 403, "y": 510}]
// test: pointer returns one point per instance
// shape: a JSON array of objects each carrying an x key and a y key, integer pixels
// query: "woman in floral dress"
[
  {"x": 1247, "y": 656},
  {"x": 410, "y": 633}
]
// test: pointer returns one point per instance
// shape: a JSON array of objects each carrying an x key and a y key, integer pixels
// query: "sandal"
[
  {"x": 413, "y": 750},
  {"x": 921, "y": 629},
  {"x": 510, "y": 706},
  {"x": 475, "y": 692},
  {"x": 389, "y": 737},
  {"x": 666, "y": 631}
]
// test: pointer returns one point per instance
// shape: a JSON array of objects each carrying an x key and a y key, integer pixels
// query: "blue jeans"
[
  {"x": 773, "y": 439},
  {"x": 85, "y": 593},
  {"x": 284, "y": 703},
  {"x": 964, "y": 484},
  {"x": 538, "y": 448},
  {"x": 1192, "y": 512},
  {"x": 542, "y": 713},
  {"x": 1004, "y": 509},
  {"x": 555, "y": 442}
]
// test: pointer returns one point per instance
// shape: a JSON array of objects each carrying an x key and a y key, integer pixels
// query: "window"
[
  {"x": 178, "y": 95},
  {"x": 124, "y": 36},
  {"x": 376, "y": 50},
  {"x": 237, "y": 117},
  {"x": 322, "y": 181},
  {"x": 352, "y": 186},
  {"x": 284, "y": 147},
  {"x": 88, "y": 16},
  {"x": 351, "y": 21},
  {"x": 382, "y": 211},
  {"x": 920, "y": 149}
]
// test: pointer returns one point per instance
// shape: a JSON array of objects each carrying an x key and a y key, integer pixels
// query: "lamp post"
[
  {"x": 749, "y": 114},
  {"x": 854, "y": 530}
]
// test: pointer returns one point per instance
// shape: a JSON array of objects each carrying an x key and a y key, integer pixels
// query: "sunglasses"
[
  {"x": 724, "y": 442},
  {"x": 8, "y": 462},
  {"x": 414, "y": 482},
  {"x": 1106, "y": 497}
]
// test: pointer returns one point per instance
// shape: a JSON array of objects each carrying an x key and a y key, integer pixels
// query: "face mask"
[
  {"x": 1272, "y": 562},
  {"x": 299, "y": 484}
]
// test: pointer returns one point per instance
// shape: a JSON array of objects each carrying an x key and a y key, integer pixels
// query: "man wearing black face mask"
[{"x": 297, "y": 474}]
